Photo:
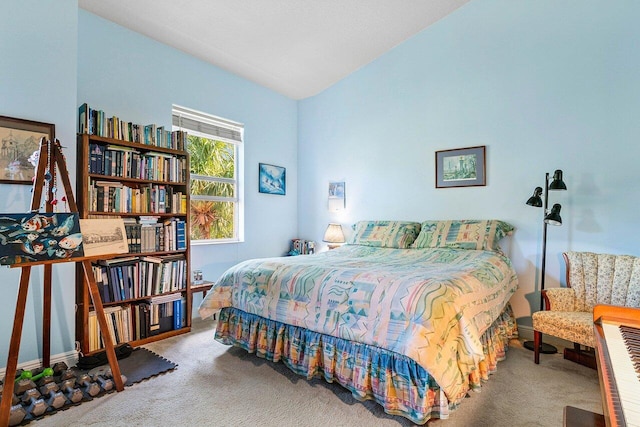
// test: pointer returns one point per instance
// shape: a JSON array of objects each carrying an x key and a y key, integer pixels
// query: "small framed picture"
[
  {"x": 272, "y": 179},
  {"x": 337, "y": 199},
  {"x": 104, "y": 236},
  {"x": 462, "y": 167},
  {"x": 19, "y": 139}
]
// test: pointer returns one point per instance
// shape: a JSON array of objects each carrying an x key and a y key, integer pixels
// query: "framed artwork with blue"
[
  {"x": 33, "y": 237},
  {"x": 272, "y": 179}
]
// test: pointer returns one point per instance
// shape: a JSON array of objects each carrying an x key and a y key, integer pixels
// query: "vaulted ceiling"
[{"x": 295, "y": 47}]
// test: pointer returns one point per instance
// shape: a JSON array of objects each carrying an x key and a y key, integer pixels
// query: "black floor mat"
[{"x": 140, "y": 365}]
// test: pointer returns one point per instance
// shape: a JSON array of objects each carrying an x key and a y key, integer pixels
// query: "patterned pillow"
[
  {"x": 385, "y": 234},
  {"x": 462, "y": 234}
]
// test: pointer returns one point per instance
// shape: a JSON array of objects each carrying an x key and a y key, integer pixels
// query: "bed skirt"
[{"x": 396, "y": 382}]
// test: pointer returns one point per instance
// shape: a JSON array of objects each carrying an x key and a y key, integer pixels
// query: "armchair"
[{"x": 591, "y": 279}]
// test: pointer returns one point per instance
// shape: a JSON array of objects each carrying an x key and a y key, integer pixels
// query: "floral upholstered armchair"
[{"x": 591, "y": 279}]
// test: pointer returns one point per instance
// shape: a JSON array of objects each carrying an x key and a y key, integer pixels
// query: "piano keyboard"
[{"x": 623, "y": 345}]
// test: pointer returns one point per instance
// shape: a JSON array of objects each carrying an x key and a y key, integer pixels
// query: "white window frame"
[{"x": 198, "y": 121}]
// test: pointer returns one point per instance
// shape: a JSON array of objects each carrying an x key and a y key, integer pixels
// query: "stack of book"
[
  {"x": 130, "y": 278},
  {"x": 148, "y": 234},
  {"x": 166, "y": 313},
  {"x": 303, "y": 247},
  {"x": 118, "y": 323},
  {"x": 95, "y": 122},
  {"x": 127, "y": 162},
  {"x": 110, "y": 196},
  {"x": 138, "y": 321}
]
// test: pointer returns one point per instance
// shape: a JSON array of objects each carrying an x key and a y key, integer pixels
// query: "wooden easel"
[{"x": 51, "y": 158}]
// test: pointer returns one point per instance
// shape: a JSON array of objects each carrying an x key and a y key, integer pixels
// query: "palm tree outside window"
[{"x": 215, "y": 151}]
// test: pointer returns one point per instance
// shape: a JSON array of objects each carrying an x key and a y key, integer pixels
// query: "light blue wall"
[
  {"x": 543, "y": 84},
  {"x": 38, "y": 82},
  {"x": 56, "y": 57},
  {"x": 138, "y": 79}
]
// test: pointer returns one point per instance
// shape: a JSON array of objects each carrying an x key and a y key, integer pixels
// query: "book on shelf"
[
  {"x": 123, "y": 279},
  {"x": 124, "y": 323},
  {"x": 118, "y": 319},
  {"x": 153, "y": 236},
  {"x": 125, "y": 162},
  {"x": 95, "y": 122},
  {"x": 163, "y": 316},
  {"x": 177, "y": 315},
  {"x": 116, "y": 197},
  {"x": 181, "y": 235}
]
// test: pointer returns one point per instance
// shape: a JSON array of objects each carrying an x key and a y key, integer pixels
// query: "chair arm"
[{"x": 559, "y": 299}]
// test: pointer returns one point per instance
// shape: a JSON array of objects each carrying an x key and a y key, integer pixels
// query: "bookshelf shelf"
[
  {"x": 99, "y": 177},
  {"x": 135, "y": 214},
  {"x": 146, "y": 293},
  {"x": 135, "y": 145}
]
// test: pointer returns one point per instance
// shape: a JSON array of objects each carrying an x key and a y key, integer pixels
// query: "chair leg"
[{"x": 537, "y": 341}]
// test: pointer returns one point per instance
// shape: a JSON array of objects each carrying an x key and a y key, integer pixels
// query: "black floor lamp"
[{"x": 551, "y": 216}]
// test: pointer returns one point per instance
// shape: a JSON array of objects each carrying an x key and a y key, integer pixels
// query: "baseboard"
[{"x": 70, "y": 358}]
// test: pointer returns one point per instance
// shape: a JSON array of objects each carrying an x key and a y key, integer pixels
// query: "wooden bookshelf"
[{"x": 140, "y": 174}]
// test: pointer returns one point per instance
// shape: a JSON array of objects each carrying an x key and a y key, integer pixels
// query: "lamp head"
[
  {"x": 553, "y": 217},
  {"x": 557, "y": 183},
  {"x": 333, "y": 234},
  {"x": 536, "y": 200}
]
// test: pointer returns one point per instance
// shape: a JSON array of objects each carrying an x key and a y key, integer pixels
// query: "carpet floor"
[{"x": 219, "y": 385}]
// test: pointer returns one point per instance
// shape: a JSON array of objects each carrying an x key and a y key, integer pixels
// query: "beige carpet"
[{"x": 222, "y": 386}]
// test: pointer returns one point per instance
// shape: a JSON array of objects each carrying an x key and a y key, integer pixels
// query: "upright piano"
[{"x": 617, "y": 331}]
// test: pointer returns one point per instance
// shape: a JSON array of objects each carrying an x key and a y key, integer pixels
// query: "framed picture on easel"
[
  {"x": 18, "y": 140},
  {"x": 37, "y": 237}
]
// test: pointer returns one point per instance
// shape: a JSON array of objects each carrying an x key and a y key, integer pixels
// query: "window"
[{"x": 215, "y": 151}]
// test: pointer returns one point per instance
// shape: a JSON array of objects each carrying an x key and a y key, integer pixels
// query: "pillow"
[
  {"x": 462, "y": 234},
  {"x": 385, "y": 234}
]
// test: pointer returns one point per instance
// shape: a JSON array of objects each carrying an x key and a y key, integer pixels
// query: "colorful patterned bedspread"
[{"x": 431, "y": 305}]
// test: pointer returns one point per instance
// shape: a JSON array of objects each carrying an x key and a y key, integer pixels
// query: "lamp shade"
[
  {"x": 553, "y": 217},
  {"x": 536, "y": 200},
  {"x": 333, "y": 234},
  {"x": 557, "y": 183}
]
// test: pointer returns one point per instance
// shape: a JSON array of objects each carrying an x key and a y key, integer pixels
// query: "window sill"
[{"x": 215, "y": 242}]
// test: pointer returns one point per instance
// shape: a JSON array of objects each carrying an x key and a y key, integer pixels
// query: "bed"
[{"x": 412, "y": 315}]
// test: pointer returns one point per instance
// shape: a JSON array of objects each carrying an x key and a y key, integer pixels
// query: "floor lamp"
[{"x": 551, "y": 216}]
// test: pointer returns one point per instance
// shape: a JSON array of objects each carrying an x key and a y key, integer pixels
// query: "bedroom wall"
[
  {"x": 38, "y": 82},
  {"x": 55, "y": 57},
  {"x": 138, "y": 79},
  {"x": 542, "y": 84}
]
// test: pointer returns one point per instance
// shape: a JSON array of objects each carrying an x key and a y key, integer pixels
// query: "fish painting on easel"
[{"x": 33, "y": 237}]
